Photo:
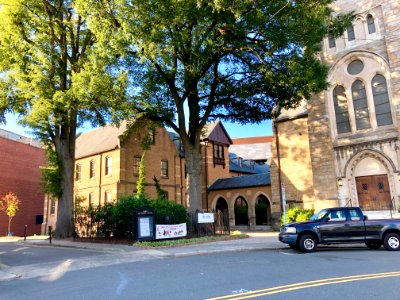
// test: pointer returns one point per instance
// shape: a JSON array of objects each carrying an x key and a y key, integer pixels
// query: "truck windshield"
[{"x": 319, "y": 215}]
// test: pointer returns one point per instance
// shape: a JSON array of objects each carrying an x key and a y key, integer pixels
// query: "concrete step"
[{"x": 244, "y": 228}]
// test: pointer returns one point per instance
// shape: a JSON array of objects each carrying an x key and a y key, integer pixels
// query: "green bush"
[
  {"x": 297, "y": 214},
  {"x": 117, "y": 219}
]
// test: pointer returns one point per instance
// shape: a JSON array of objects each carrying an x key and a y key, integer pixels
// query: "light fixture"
[{"x": 339, "y": 182}]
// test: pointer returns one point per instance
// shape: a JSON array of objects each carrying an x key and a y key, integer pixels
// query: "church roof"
[
  {"x": 216, "y": 132},
  {"x": 241, "y": 182}
]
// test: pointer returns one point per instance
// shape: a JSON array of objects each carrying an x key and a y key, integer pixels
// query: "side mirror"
[
  {"x": 327, "y": 219},
  {"x": 365, "y": 218}
]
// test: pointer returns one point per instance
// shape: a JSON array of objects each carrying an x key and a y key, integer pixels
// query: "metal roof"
[{"x": 262, "y": 179}]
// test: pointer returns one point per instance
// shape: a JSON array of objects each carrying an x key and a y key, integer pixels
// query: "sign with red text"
[{"x": 170, "y": 231}]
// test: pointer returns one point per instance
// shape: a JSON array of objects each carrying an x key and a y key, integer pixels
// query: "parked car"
[{"x": 341, "y": 225}]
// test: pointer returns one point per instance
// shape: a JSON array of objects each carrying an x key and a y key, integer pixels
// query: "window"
[
  {"x": 108, "y": 165},
  {"x": 219, "y": 154},
  {"x": 350, "y": 33},
  {"x": 331, "y": 40},
  {"x": 92, "y": 169},
  {"x": 91, "y": 200},
  {"x": 371, "y": 24},
  {"x": 52, "y": 206},
  {"x": 136, "y": 165},
  {"x": 355, "y": 215},
  {"x": 381, "y": 101},
  {"x": 341, "y": 110},
  {"x": 360, "y": 104},
  {"x": 337, "y": 215},
  {"x": 152, "y": 136},
  {"x": 164, "y": 168},
  {"x": 107, "y": 197},
  {"x": 355, "y": 67},
  {"x": 78, "y": 172}
]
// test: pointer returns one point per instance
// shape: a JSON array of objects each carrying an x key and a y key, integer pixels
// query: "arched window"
[
  {"x": 350, "y": 33},
  {"x": 331, "y": 40},
  {"x": 360, "y": 104},
  {"x": 381, "y": 101},
  {"x": 341, "y": 110},
  {"x": 371, "y": 24}
]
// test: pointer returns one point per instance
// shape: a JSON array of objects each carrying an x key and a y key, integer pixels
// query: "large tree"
[
  {"x": 54, "y": 78},
  {"x": 193, "y": 61}
]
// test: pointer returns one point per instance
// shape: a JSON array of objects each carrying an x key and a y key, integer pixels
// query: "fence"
[{"x": 89, "y": 226}]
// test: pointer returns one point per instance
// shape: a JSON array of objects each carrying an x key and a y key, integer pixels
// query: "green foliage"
[
  {"x": 51, "y": 175},
  {"x": 161, "y": 194},
  {"x": 117, "y": 219},
  {"x": 141, "y": 182},
  {"x": 261, "y": 213},
  {"x": 297, "y": 214}
]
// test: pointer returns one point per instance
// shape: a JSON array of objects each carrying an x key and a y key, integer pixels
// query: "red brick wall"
[{"x": 20, "y": 174}]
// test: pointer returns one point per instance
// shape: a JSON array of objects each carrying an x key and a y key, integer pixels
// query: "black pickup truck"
[{"x": 341, "y": 225}]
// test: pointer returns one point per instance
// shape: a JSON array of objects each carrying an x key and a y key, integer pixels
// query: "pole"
[{"x": 25, "y": 232}]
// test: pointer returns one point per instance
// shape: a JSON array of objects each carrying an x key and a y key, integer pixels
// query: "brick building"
[
  {"x": 107, "y": 167},
  {"x": 21, "y": 158},
  {"x": 342, "y": 146}
]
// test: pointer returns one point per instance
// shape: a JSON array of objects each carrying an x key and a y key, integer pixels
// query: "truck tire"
[
  {"x": 391, "y": 242},
  {"x": 374, "y": 245},
  {"x": 307, "y": 243}
]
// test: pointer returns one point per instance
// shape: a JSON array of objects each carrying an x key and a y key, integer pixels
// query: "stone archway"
[
  {"x": 371, "y": 185},
  {"x": 262, "y": 210},
  {"x": 241, "y": 211}
]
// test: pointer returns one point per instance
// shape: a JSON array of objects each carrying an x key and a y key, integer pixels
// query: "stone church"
[{"x": 341, "y": 148}]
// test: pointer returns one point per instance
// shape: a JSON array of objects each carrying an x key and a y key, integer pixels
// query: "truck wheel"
[
  {"x": 375, "y": 245},
  {"x": 391, "y": 242},
  {"x": 307, "y": 243}
]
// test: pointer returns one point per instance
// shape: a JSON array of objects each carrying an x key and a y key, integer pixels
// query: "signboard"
[
  {"x": 145, "y": 221},
  {"x": 170, "y": 231},
  {"x": 205, "y": 218}
]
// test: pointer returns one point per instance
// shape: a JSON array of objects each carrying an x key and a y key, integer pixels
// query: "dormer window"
[{"x": 219, "y": 158}]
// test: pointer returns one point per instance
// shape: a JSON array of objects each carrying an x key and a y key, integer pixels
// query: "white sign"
[
  {"x": 144, "y": 227},
  {"x": 170, "y": 231},
  {"x": 205, "y": 218}
]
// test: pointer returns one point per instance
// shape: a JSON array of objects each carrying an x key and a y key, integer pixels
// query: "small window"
[
  {"x": 52, "y": 206},
  {"x": 381, "y": 101},
  {"x": 92, "y": 173},
  {"x": 350, "y": 33},
  {"x": 337, "y": 215},
  {"x": 108, "y": 165},
  {"x": 107, "y": 197},
  {"x": 91, "y": 200},
  {"x": 341, "y": 110},
  {"x": 331, "y": 40},
  {"x": 78, "y": 170},
  {"x": 219, "y": 154},
  {"x": 152, "y": 136},
  {"x": 136, "y": 165},
  {"x": 355, "y": 67},
  {"x": 360, "y": 104},
  {"x": 371, "y": 24},
  {"x": 355, "y": 215},
  {"x": 164, "y": 168}
]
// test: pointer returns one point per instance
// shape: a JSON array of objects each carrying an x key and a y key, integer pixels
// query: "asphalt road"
[{"x": 330, "y": 273}]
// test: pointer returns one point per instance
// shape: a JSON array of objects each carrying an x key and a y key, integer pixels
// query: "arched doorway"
[
  {"x": 241, "y": 211},
  {"x": 263, "y": 210},
  {"x": 372, "y": 181},
  {"x": 222, "y": 215}
]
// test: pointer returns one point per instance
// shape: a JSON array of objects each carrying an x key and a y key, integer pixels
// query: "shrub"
[
  {"x": 175, "y": 212},
  {"x": 297, "y": 214}
]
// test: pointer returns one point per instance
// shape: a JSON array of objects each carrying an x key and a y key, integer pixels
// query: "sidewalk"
[{"x": 256, "y": 241}]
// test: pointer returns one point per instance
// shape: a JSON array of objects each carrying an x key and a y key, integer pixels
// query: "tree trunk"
[
  {"x": 9, "y": 224},
  {"x": 65, "y": 148},
  {"x": 193, "y": 164}
]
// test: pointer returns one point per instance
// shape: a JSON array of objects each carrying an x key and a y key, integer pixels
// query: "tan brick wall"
[{"x": 295, "y": 161}]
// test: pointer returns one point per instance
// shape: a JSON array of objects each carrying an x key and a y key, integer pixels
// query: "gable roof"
[
  {"x": 216, "y": 132},
  {"x": 99, "y": 140},
  {"x": 241, "y": 182}
]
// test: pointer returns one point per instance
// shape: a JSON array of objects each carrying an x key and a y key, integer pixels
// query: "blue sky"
[{"x": 234, "y": 130}]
